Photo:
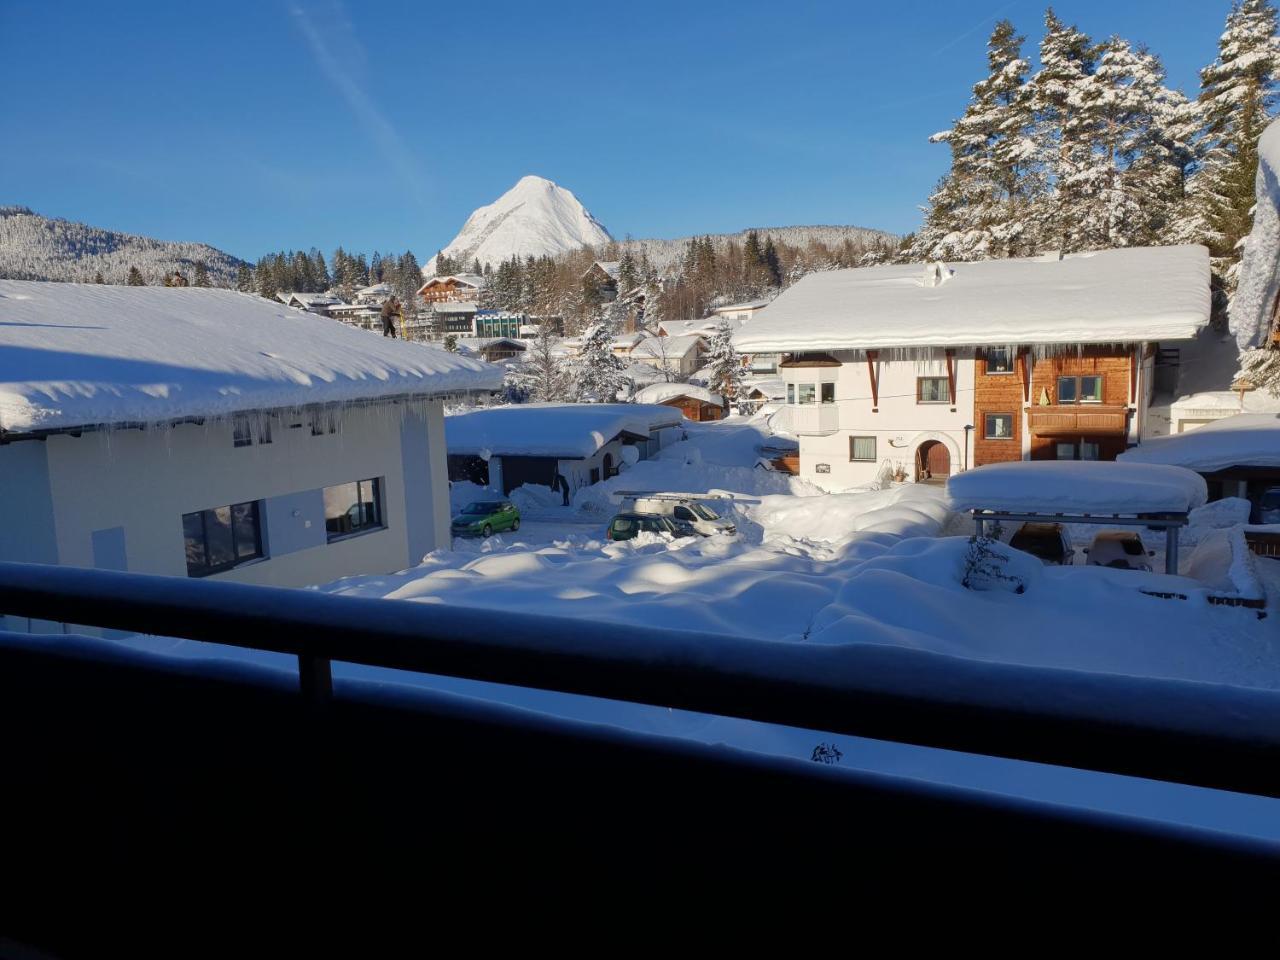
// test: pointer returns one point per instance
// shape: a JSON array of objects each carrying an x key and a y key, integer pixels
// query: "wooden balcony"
[{"x": 1078, "y": 420}]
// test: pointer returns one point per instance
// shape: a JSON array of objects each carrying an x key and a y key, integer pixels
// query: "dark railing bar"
[{"x": 1201, "y": 734}]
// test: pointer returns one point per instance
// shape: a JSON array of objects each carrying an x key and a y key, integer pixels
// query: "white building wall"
[
  {"x": 129, "y": 489},
  {"x": 900, "y": 426}
]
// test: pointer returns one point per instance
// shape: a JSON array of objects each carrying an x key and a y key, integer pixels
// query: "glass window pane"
[
  {"x": 1089, "y": 451},
  {"x": 1066, "y": 390},
  {"x": 828, "y": 393},
  {"x": 1091, "y": 389},
  {"x": 193, "y": 539},
  {"x": 791, "y": 393},
  {"x": 863, "y": 448},
  {"x": 999, "y": 426},
  {"x": 1065, "y": 451},
  {"x": 370, "y": 505},
  {"x": 807, "y": 393},
  {"x": 218, "y": 542},
  {"x": 998, "y": 360},
  {"x": 244, "y": 521},
  {"x": 935, "y": 390},
  {"x": 264, "y": 431},
  {"x": 339, "y": 502},
  {"x": 241, "y": 435}
]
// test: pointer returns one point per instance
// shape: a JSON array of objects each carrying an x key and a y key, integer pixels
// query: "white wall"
[
  {"x": 129, "y": 489},
  {"x": 899, "y": 427}
]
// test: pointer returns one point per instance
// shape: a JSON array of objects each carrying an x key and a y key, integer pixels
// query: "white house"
[
  {"x": 677, "y": 355},
  {"x": 922, "y": 372},
  {"x": 204, "y": 432},
  {"x": 320, "y": 303},
  {"x": 365, "y": 316},
  {"x": 506, "y": 447},
  {"x": 740, "y": 311}
]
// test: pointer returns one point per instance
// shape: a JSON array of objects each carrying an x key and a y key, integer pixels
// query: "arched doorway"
[
  {"x": 608, "y": 465},
  {"x": 933, "y": 462}
]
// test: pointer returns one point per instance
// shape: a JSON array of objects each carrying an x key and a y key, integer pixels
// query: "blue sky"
[{"x": 264, "y": 125}]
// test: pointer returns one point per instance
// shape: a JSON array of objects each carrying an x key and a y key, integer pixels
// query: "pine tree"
[
  {"x": 726, "y": 367},
  {"x": 320, "y": 270},
  {"x": 244, "y": 278},
  {"x": 1237, "y": 96},
  {"x": 451, "y": 343},
  {"x": 980, "y": 208},
  {"x": 135, "y": 278},
  {"x": 600, "y": 376},
  {"x": 97, "y": 277},
  {"x": 201, "y": 275}
]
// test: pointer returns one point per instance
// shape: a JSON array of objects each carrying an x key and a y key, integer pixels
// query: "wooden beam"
[
  {"x": 872, "y": 357},
  {"x": 1024, "y": 372}
]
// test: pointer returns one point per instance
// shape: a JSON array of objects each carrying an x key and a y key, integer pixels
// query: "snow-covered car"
[
  {"x": 1121, "y": 549},
  {"x": 1046, "y": 541},
  {"x": 1269, "y": 506},
  {"x": 626, "y": 526},
  {"x": 702, "y": 518}
]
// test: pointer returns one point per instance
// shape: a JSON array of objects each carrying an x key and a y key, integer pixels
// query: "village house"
[
  {"x": 377, "y": 293},
  {"x": 492, "y": 349},
  {"x": 925, "y": 371},
  {"x": 364, "y": 316},
  {"x": 694, "y": 402},
  {"x": 579, "y": 443},
  {"x": 204, "y": 432},
  {"x": 739, "y": 311},
  {"x": 318, "y": 303},
  {"x": 452, "y": 289},
  {"x": 678, "y": 356},
  {"x": 601, "y": 280}
]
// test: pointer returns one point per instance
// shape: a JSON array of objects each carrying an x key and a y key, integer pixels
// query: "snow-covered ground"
[{"x": 875, "y": 566}]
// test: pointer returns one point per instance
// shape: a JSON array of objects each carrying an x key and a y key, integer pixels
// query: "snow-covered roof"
[
  {"x": 566, "y": 431},
  {"x": 673, "y": 348},
  {"x": 313, "y": 299},
  {"x": 466, "y": 279},
  {"x": 1249, "y": 439},
  {"x": 1129, "y": 295},
  {"x": 748, "y": 305},
  {"x": 374, "y": 290},
  {"x": 1077, "y": 486},
  {"x": 662, "y": 392},
  {"x": 610, "y": 267},
  {"x": 454, "y": 306},
  {"x": 75, "y": 354},
  {"x": 368, "y": 308}
]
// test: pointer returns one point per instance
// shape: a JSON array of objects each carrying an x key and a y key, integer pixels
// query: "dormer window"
[{"x": 999, "y": 360}]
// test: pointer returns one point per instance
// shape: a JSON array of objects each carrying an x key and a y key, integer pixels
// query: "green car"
[{"x": 485, "y": 518}]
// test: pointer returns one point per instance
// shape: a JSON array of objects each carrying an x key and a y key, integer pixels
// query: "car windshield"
[
  {"x": 704, "y": 513},
  {"x": 1132, "y": 546},
  {"x": 479, "y": 508}
]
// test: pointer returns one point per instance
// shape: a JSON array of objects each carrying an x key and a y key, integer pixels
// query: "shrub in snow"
[{"x": 989, "y": 565}]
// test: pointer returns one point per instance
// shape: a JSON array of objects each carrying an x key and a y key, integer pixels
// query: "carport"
[{"x": 1090, "y": 492}]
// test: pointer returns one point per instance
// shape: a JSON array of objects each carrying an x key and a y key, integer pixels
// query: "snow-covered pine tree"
[
  {"x": 1237, "y": 96},
  {"x": 97, "y": 277},
  {"x": 600, "y": 371},
  {"x": 724, "y": 363},
  {"x": 135, "y": 278},
  {"x": 1063, "y": 133},
  {"x": 979, "y": 209},
  {"x": 201, "y": 275},
  {"x": 244, "y": 278}
]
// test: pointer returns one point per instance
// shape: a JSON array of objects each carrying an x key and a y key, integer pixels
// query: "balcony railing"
[
  {"x": 1078, "y": 420},
  {"x": 195, "y": 760},
  {"x": 815, "y": 419}
]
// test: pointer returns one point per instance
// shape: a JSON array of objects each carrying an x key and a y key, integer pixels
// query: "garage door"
[{"x": 520, "y": 470}]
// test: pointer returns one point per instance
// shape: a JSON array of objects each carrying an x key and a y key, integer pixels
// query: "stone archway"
[{"x": 937, "y": 457}]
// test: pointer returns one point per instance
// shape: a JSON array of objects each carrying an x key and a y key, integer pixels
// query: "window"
[
  {"x": 684, "y": 513},
  {"x": 828, "y": 392},
  {"x": 1064, "y": 451},
  {"x": 221, "y": 538},
  {"x": 807, "y": 392},
  {"x": 862, "y": 448},
  {"x": 791, "y": 393},
  {"x": 241, "y": 432},
  {"x": 322, "y": 422},
  {"x": 1080, "y": 389},
  {"x": 999, "y": 426},
  {"x": 933, "y": 390},
  {"x": 999, "y": 360},
  {"x": 1089, "y": 451},
  {"x": 351, "y": 508}
]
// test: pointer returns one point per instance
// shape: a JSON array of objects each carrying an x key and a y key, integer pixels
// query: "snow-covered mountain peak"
[{"x": 536, "y": 217}]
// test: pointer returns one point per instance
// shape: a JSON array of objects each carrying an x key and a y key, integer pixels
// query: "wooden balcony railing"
[{"x": 1078, "y": 420}]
